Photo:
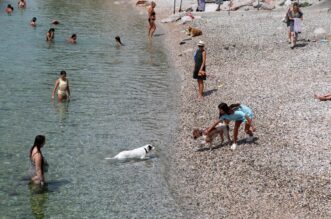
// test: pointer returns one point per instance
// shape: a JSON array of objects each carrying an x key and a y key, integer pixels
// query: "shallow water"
[{"x": 122, "y": 98}]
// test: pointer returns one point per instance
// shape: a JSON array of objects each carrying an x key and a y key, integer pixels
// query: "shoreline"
[{"x": 285, "y": 173}]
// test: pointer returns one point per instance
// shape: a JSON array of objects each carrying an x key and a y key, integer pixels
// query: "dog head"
[
  {"x": 196, "y": 133},
  {"x": 149, "y": 147}
]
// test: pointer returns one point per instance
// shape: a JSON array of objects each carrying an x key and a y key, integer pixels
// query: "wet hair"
[
  {"x": 63, "y": 73},
  {"x": 34, "y": 19},
  {"x": 118, "y": 39},
  {"x": 55, "y": 22},
  {"x": 11, "y": 7},
  {"x": 73, "y": 35},
  {"x": 38, "y": 142},
  {"x": 153, "y": 4},
  {"x": 51, "y": 30}
]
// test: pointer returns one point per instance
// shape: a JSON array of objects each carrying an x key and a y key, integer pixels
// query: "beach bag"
[{"x": 297, "y": 25}]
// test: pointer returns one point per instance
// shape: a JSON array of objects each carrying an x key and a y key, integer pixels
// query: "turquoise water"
[{"x": 122, "y": 98}]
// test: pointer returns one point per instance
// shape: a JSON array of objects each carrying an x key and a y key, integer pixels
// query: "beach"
[{"x": 286, "y": 171}]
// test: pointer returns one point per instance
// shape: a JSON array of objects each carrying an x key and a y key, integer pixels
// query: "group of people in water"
[{"x": 62, "y": 90}]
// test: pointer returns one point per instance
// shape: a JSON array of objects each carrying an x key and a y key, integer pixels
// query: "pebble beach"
[{"x": 286, "y": 171}]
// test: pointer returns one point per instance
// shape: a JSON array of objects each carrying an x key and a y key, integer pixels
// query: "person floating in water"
[
  {"x": 73, "y": 39},
  {"x": 38, "y": 162},
  {"x": 55, "y": 22},
  {"x": 9, "y": 9},
  {"x": 33, "y": 22},
  {"x": 50, "y": 35},
  {"x": 118, "y": 41},
  {"x": 62, "y": 84}
]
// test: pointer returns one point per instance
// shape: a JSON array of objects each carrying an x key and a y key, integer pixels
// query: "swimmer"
[
  {"x": 73, "y": 39},
  {"x": 118, "y": 41},
  {"x": 62, "y": 84},
  {"x": 21, "y": 4},
  {"x": 151, "y": 19},
  {"x": 55, "y": 22},
  {"x": 33, "y": 22},
  {"x": 9, "y": 10},
  {"x": 50, "y": 35}
]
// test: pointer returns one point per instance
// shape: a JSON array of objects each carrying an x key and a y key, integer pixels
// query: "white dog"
[
  {"x": 220, "y": 129},
  {"x": 138, "y": 153}
]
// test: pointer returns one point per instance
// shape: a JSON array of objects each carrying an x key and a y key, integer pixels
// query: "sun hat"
[{"x": 201, "y": 43}]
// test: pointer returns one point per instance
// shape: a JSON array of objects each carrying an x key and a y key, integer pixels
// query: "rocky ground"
[{"x": 286, "y": 171}]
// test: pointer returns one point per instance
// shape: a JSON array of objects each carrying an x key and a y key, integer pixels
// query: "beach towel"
[{"x": 297, "y": 25}]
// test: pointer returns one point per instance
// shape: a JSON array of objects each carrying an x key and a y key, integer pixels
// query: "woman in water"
[
  {"x": 151, "y": 19},
  {"x": 50, "y": 35},
  {"x": 73, "y": 39},
  {"x": 38, "y": 162},
  {"x": 118, "y": 41},
  {"x": 62, "y": 84},
  {"x": 238, "y": 113},
  {"x": 199, "y": 72},
  {"x": 9, "y": 9},
  {"x": 33, "y": 22},
  {"x": 21, "y": 4}
]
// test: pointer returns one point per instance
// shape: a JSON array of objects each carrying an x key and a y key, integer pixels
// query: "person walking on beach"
[
  {"x": 294, "y": 16},
  {"x": 38, "y": 163},
  {"x": 238, "y": 113},
  {"x": 199, "y": 72},
  {"x": 323, "y": 97},
  {"x": 50, "y": 35},
  {"x": 62, "y": 84},
  {"x": 151, "y": 19}
]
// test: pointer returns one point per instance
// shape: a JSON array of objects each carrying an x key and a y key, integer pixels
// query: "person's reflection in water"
[
  {"x": 38, "y": 198},
  {"x": 62, "y": 109}
]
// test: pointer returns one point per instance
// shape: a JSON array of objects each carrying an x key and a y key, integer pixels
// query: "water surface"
[{"x": 122, "y": 98}]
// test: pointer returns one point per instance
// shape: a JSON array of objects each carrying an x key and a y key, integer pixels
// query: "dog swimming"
[{"x": 138, "y": 153}]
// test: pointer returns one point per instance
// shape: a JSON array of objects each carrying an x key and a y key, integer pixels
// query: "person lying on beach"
[
  {"x": 50, "y": 35},
  {"x": 33, "y": 22},
  {"x": 62, "y": 84},
  {"x": 21, "y": 4},
  {"x": 9, "y": 9},
  {"x": 294, "y": 14},
  {"x": 118, "y": 41},
  {"x": 151, "y": 19},
  {"x": 38, "y": 162},
  {"x": 208, "y": 138},
  {"x": 73, "y": 39},
  {"x": 323, "y": 97},
  {"x": 238, "y": 113}
]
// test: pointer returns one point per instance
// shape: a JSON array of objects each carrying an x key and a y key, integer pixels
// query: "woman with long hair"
[
  {"x": 238, "y": 113},
  {"x": 38, "y": 162}
]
